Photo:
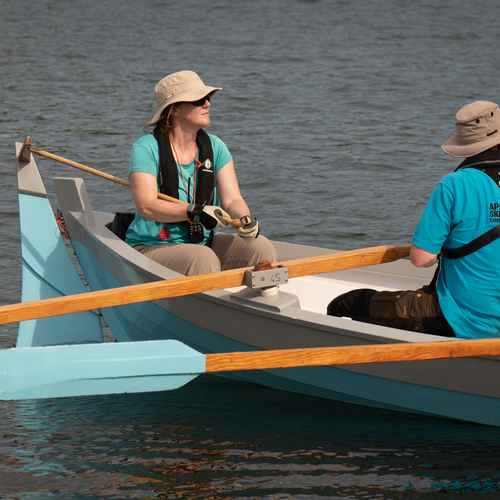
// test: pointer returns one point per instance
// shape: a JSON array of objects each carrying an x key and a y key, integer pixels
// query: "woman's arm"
[
  {"x": 145, "y": 193},
  {"x": 229, "y": 191}
]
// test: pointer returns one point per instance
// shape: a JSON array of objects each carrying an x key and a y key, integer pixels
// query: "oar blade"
[{"x": 96, "y": 369}]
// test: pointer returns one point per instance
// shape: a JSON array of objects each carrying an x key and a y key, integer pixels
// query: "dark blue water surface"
[{"x": 334, "y": 112}]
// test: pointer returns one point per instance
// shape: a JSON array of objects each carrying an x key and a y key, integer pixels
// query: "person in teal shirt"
[
  {"x": 464, "y": 299},
  {"x": 181, "y": 235},
  {"x": 145, "y": 158}
]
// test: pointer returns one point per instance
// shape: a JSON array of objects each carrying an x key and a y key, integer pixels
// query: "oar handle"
[
  {"x": 103, "y": 175},
  {"x": 350, "y": 259}
]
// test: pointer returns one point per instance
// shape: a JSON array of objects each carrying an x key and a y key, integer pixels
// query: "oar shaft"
[
  {"x": 104, "y": 175},
  {"x": 88, "y": 169},
  {"x": 346, "y": 260},
  {"x": 187, "y": 285},
  {"x": 176, "y": 287},
  {"x": 350, "y": 355}
]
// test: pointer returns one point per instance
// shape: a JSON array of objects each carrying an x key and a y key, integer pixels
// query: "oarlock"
[{"x": 266, "y": 278}]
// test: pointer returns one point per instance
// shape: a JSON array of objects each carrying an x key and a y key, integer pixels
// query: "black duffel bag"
[{"x": 120, "y": 223}]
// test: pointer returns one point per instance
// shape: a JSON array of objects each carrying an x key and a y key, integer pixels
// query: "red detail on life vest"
[{"x": 164, "y": 234}]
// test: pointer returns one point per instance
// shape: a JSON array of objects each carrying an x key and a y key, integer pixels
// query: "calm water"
[{"x": 334, "y": 111}]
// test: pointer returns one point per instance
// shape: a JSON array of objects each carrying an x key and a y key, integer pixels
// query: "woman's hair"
[{"x": 165, "y": 123}]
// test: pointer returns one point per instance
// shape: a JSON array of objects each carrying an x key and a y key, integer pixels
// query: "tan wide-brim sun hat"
[
  {"x": 477, "y": 128},
  {"x": 182, "y": 86}
]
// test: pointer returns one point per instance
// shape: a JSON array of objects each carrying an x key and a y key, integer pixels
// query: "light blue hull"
[
  {"x": 48, "y": 272},
  {"x": 154, "y": 321}
]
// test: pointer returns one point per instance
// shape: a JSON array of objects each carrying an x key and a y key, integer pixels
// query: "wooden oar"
[
  {"x": 187, "y": 285},
  {"x": 350, "y": 355},
  {"x": 27, "y": 148},
  {"x": 125, "y": 367}
]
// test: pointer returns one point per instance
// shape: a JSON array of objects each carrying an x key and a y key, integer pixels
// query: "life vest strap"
[
  {"x": 204, "y": 177},
  {"x": 474, "y": 245},
  {"x": 168, "y": 177}
]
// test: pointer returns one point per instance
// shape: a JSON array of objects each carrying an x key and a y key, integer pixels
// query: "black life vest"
[
  {"x": 487, "y": 161},
  {"x": 168, "y": 176},
  {"x": 168, "y": 180}
]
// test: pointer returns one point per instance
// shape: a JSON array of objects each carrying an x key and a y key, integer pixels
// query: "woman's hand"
[
  {"x": 234, "y": 203},
  {"x": 210, "y": 216},
  {"x": 249, "y": 227}
]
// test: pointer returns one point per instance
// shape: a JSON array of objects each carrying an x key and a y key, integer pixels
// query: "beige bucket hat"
[
  {"x": 477, "y": 128},
  {"x": 182, "y": 86}
]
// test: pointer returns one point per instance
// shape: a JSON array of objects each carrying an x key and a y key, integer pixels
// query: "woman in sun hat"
[
  {"x": 180, "y": 159},
  {"x": 461, "y": 222}
]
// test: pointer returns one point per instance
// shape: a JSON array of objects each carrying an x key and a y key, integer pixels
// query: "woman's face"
[{"x": 196, "y": 114}]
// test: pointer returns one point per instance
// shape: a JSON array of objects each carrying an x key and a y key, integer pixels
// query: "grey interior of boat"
[{"x": 300, "y": 297}]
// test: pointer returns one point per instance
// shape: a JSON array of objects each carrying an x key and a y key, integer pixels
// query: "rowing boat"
[{"x": 227, "y": 320}]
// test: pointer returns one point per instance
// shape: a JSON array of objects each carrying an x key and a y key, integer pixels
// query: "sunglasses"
[{"x": 201, "y": 102}]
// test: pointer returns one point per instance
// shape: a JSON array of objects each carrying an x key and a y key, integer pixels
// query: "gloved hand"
[
  {"x": 249, "y": 227},
  {"x": 210, "y": 216}
]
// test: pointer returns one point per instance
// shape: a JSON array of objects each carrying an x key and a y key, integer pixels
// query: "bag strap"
[{"x": 431, "y": 287}]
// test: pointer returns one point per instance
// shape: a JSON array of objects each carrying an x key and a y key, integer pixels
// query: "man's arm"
[
  {"x": 434, "y": 225},
  {"x": 422, "y": 258}
]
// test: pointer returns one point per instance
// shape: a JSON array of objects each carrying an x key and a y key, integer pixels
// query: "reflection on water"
[{"x": 223, "y": 439}]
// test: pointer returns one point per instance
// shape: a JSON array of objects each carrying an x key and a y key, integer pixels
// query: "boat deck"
[{"x": 316, "y": 292}]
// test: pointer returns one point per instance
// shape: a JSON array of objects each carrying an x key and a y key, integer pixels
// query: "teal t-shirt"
[
  {"x": 145, "y": 158},
  {"x": 464, "y": 205}
]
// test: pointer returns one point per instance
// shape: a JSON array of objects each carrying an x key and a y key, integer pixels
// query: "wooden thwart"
[
  {"x": 188, "y": 285},
  {"x": 27, "y": 148},
  {"x": 350, "y": 355}
]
